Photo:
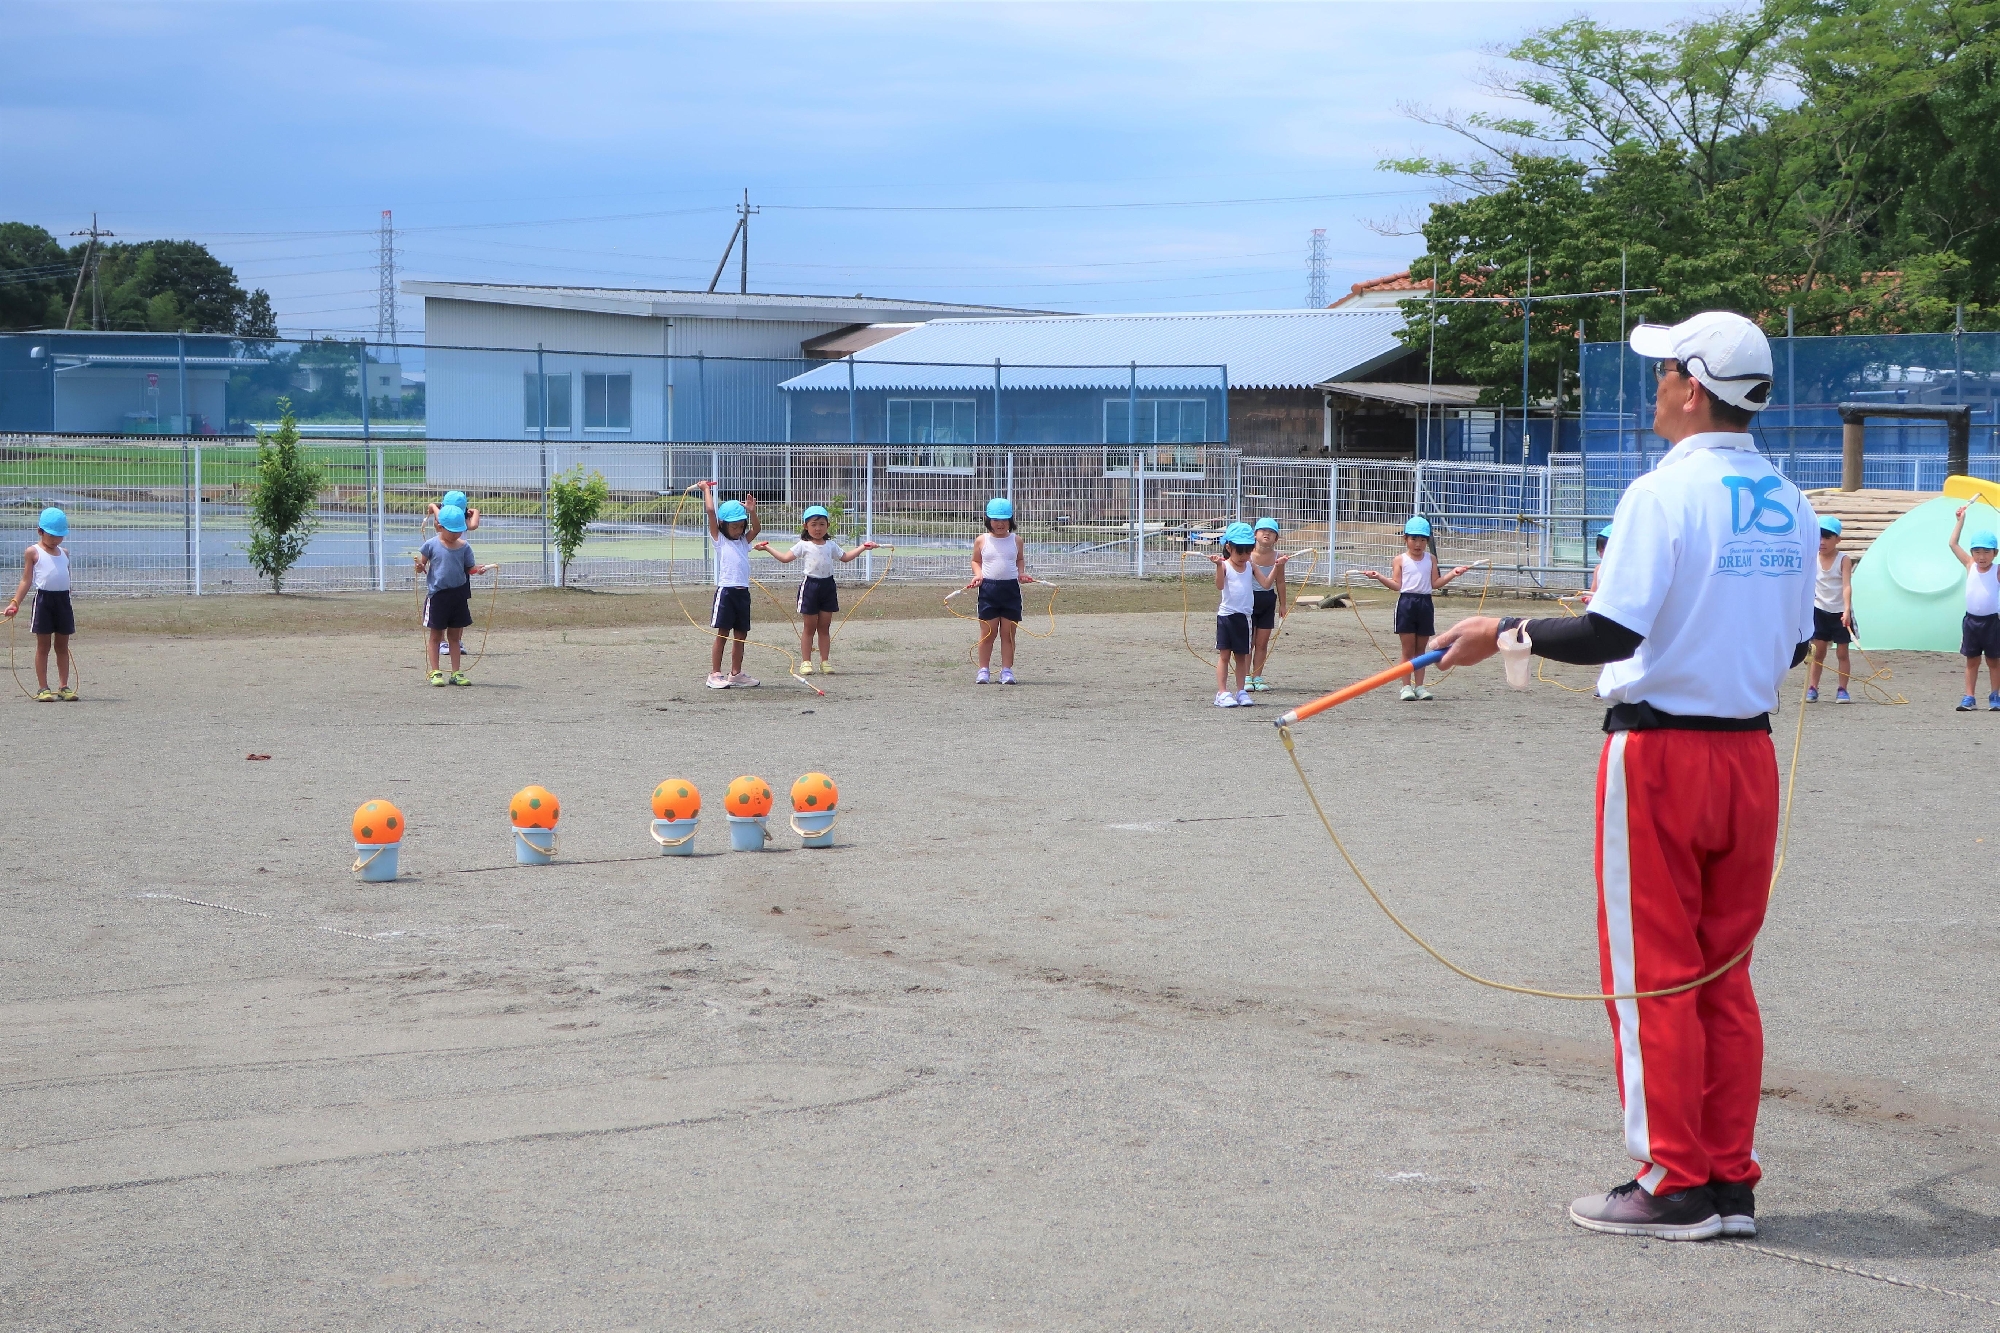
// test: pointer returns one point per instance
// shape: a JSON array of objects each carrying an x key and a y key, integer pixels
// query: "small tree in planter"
[
  {"x": 575, "y": 500},
  {"x": 284, "y": 504}
]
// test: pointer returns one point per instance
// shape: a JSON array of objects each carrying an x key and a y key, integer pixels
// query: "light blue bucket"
[
  {"x": 675, "y": 836},
  {"x": 747, "y": 833},
  {"x": 534, "y": 846},
  {"x": 375, "y": 862},
  {"x": 814, "y": 827}
]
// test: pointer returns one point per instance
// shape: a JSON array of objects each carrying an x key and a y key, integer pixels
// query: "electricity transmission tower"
[
  {"x": 95, "y": 235},
  {"x": 385, "y": 292},
  {"x": 1316, "y": 270}
]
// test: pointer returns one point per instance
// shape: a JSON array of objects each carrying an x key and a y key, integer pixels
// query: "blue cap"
[
  {"x": 732, "y": 511},
  {"x": 54, "y": 522},
  {"x": 1603, "y": 534},
  {"x": 1830, "y": 524},
  {"x": 816, "y": 511},
  {"x": 1417, "y": 527},
  {"x": 451, "y": 518},
  {"x": 1263, "y": 523},
  {"x": 453, "y": 500},
  {"x": 1983, "y": 540},
  {"x": 1239, "y": 534},
  {"x": 1000, "y": 507}
]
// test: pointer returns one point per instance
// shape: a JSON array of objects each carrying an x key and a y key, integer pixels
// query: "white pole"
[
  {"x": 868, "y": 521},
  {"x": 381, "y": 525},
  {"x": 197, "y": 520}
]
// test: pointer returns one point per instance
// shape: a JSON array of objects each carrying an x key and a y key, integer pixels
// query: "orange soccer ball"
[
  {"x": 749, "y": 796},
  {"x": 378, "y": 822},
  {"x": 676, "y": 798},
  {"x": 814, "y": 792},
  {"x": 534, "y": 807}
]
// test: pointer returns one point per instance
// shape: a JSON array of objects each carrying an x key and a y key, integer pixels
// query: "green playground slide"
[{"x": 1910, "y": 591}]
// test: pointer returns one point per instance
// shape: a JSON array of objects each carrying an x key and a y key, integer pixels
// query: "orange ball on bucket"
[
  {"x": 534, "y": 807},
  {"x": 378, "y": 822},
  {"x": 676, "y": 799},
  {"x": 749, "y": 796},
  {"x": 814, "y": 792}
]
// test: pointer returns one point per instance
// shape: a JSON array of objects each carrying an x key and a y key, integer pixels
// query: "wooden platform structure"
[{"x": 1863, "y": 514}]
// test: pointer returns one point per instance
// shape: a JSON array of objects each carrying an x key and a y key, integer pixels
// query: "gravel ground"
[{"x": 1082, "y": 1026}]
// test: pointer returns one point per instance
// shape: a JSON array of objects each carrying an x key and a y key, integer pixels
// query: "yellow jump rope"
[
  {"x": 1283, "y": 612},
  {"x": 13, "y": 629}
]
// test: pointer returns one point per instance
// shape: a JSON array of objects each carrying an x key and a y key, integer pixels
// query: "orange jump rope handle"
[{"x": 1386, "y": 676}]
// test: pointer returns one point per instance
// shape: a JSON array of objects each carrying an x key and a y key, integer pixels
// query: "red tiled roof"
[{"x": 1391, "y": 282}]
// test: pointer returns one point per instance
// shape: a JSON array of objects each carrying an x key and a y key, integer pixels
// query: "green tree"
[
  {"x": 284, "y": 501},
  {"x": 174, "y": 287},
  {"x": 575, "y": 501},
  {"x": 35, "y": 277}
]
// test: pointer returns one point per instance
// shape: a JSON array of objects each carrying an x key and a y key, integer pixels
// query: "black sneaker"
[
  {"x": 1738, "y": 1206},
  {"x": 1630, "y": 1211}
]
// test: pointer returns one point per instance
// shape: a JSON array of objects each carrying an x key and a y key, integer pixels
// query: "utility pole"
[
  {"x": 385, "y": 289},
  {"x": 742, "y": 229},
  {"x": 1316, "y": 270},
  {"x": 94, "y": 234}
]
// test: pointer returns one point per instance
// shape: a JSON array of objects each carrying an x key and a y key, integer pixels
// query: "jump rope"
[
  {"x": 984, "y": 633},
  {"x": 444, "y": 645},
  {"x": 1276, "y": 633},
  {"x": 13, "y": 629}
]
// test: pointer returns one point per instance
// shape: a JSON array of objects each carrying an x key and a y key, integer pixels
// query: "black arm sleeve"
[{"x": 1586, "y": 640}]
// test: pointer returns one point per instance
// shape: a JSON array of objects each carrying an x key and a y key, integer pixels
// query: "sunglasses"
[{"x": 1675, "y": 366}]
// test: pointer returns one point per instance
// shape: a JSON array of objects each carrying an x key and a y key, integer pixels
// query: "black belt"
[{"x": 1645, "y": 717}]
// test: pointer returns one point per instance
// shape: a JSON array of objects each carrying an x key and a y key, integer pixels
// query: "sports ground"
[{"x": 1083, "y": 1025}]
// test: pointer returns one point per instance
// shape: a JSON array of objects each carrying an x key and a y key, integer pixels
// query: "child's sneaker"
[
  {"x": 1243, "y": 699},
  {"x": 460, "y": 678},
  {"x": 805, "y": 668},
  {"x": 1967, "y": 704},
  {"x": 1423, "y": 693},
  {"x": 1224, "y": 699},
  {"x": 67, "y": 695},
  {"x": 47, "y": 696},
  {"x": 717, "y": 681},
  {"x": 437, "y": 677},
  {"x": 1993, "y": 702},
  {"x": 1840, "y": 697},
  {"x": 984, "y": 677},
  {"x": 1409, "y": 693},
  {"x": 826, "y": 668},
  {"x": 1257, "y": 683},
  {"x": 1006, "y": 675},
  {"x": 1812, "y": 694},
  {"x": 739, "y": 681}
]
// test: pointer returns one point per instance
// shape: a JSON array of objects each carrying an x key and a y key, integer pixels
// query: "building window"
[
  {"x": 933, "y": 422},
  {"x": 531, "y": 401},
  {"x": 1177, "y": 423},
  {"x": 607, "y": 402}
]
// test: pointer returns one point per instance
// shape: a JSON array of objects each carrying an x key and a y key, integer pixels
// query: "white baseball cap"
[{"x": 1728, "y": 354}]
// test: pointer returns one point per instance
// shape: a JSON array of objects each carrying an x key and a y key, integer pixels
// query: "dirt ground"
[{"x": 1082, "y": 1025}]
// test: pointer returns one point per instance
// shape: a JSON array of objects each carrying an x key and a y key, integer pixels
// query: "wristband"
[{"x": 1509, "y": 622}]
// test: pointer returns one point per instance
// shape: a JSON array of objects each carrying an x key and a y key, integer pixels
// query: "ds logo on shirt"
[{"x": 1742, "y": 559}]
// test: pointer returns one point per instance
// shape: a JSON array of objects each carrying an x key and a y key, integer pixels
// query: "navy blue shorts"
[
  {"x": 449, "y": 608},
  {"x": 1980, "y": 637},
  {"x": 1000, "y": 599},
  {"x": 1264, "y": 608},
  {"x": 53, "y": 613},
  {"x": 1416, "y": 614},
  {"x": 1232, "y": 633},
  {"x": 731, "y": 611},
  {"x": 817, "y": 595},
  {"x": 1828, "y": 629}
]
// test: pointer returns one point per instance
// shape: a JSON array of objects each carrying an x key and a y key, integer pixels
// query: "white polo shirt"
[{"x": 1713, "y": 562}]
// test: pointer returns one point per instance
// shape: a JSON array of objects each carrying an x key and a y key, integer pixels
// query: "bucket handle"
[
  {"x": 549, "y": 850},
  {"x": 361, "y": 864},
  {"x": 803, "y": 833},
  {"x": 668, "y": 842}
]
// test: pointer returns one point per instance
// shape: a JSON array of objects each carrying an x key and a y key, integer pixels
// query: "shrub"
[
  {"x": 575, "y": 500},
  {"x": 284, "y": 502}
]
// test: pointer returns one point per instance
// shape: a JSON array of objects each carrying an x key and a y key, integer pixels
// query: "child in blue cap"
[
  {"x": 1980, "y": 636},
  {"x": 1413, "y": 577},
  {"x": 1267, "y": 603},
  {"x": 999, "y": 568},
  {"x": 456, "y": 500},
  {"x": 445, "y": 561},
  {"x": 819, "y": 595},
  {"x": 1833, "y": 611},
  {"x": 732, "y": 526},
  {"x": 1239, "y": 581},
  {"x": 45, "y": 567}
]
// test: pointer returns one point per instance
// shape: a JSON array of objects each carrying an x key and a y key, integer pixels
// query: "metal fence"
[{"x": 172, "y": 516}]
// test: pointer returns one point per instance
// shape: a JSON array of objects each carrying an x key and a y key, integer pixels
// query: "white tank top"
[
  {"x": 996, "y": 557},
  {"x": 1827, "y": 595},
  {"x": 1238, "y": 591},
  {"x": 1417, "y": 573},
  {"x": 821, "y": 558},
  {"x": 1982, "y": 591},
  {"x": 52, "y": 570}
]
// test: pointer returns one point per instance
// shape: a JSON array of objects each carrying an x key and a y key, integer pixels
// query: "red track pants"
[{"x": 1687, "y": 824}]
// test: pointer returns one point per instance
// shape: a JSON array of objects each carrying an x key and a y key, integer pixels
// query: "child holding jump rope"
[
  {"x": 1239, "y": 581},
  {"x": 445, "y": 561},
  {"x": 1413, "y": 577},
  {"x": 45, "y": 566},
  {"x": 999, "y": 568},
  {"x": 732, "y": 526},
  {"x": 1980, "y": 636},
  {"x": 1267, "y": 599},
  {"x": 455, "y": 500},
  {"x": 1833, "y": 611},
  {"x": 819, "y": 595}
]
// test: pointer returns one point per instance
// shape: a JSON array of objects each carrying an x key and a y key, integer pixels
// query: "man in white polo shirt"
[{"x": 1704, "y": 602}]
